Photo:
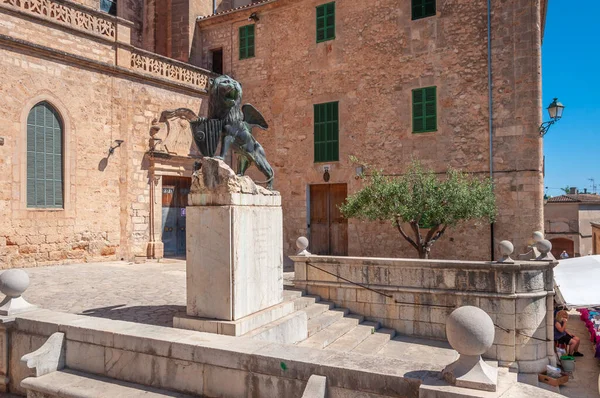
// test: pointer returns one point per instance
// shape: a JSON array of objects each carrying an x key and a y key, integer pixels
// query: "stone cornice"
[{"x": 419, "y": 263}]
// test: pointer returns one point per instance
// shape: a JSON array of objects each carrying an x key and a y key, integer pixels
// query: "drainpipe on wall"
[
  {"x": 491, "y": 112},
  {"x": 214, "y": 7}
]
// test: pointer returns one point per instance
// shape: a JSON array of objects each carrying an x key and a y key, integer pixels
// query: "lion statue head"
[{"x": 225, "y": 98}]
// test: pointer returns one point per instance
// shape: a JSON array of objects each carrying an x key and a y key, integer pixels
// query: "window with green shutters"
[
  {"x": 424, "y": 109},
  {"x": 44, "y": 157},
  {"x": 326, "y": 22},
  {"x": 326, "y": 132},
  {"x": 422, "y": 8},
  {"x": 247, "y": 41}
]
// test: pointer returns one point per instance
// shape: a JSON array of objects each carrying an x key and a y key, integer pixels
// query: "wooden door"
[{"x": 328, "y": 229}]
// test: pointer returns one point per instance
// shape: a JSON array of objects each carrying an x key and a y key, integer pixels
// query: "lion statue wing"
[{"x": 253, "y": 117}]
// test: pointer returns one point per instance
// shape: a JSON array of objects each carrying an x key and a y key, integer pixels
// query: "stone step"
[
  {"x": 316, "y": 309},
  {"x": 74, "y": 384},
  {"x": 289, "y": 294},
  {"x": 333, "y": 332},
  {"x": 325, "y": 319},
  {"x": 354, "y": 337},
  {"x": 375, "y": 342},
  {"x": 301, "y": 303}
]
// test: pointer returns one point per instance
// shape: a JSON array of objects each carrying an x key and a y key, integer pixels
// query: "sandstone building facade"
[{"x": 385, "y": 82}]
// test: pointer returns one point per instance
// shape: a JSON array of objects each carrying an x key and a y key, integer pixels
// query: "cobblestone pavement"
[{"x": 148, "y": 293}]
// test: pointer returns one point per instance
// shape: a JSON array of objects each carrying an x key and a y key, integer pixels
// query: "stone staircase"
[
  {"x": 332, "y": 328},
  {"x": 336, "y": 329}
]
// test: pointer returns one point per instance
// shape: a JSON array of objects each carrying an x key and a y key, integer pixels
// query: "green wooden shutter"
[
  {"x": 424, "y": 109},
  {"x": 326, "y": 132},
  {"x": 246, "y": 41},
  {"x": 44, "y": 157},
  {"x": 423, "y": 8},
  {"x": 326, "y": 22}
]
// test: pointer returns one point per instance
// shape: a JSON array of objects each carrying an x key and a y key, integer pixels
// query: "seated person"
[{"x": 563, "y": 337}]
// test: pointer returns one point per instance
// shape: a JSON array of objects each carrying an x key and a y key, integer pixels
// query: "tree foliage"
[
  {"x": 566, "y": 189},
  {"x": 423, "y": 201}
]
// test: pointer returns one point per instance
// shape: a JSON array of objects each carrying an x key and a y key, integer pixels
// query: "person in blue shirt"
[{"x": 563, "y": 337}]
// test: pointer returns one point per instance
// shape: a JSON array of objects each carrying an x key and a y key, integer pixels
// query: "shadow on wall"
[{"x": 157, "y": 315}]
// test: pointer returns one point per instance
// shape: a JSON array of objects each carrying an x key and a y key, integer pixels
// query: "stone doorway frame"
[{"x": 162, "y": 164}]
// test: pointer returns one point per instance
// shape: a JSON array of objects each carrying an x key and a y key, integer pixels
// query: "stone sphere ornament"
[
  {"x": 470, "y": 331},
  {"x": 544, "y": 247},
  {"x": 538, "y": 236},
  {"x": 14, "y": 282},
  {"x": 302, "y": 245},
  {"x": 506, "y": 249}
]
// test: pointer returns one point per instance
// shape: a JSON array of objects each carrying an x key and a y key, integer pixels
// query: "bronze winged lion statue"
[{"x": 229, "y": 122}]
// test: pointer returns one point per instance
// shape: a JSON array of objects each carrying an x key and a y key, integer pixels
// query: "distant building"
[
  {"x": 596, "y": 236},
  {"x": 568, "y": 223}
]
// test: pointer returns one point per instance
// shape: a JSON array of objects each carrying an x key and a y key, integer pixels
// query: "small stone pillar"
[
  {"x": 13, "y": 284},
  {"x": 470, "y": 331}
]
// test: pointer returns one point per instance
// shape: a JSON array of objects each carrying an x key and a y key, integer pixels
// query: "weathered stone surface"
[
  {"x": 514, "y": 295},
  {"x": 216, "y": 177},
  {"x": 235, "y": 264},
  {"x": 49, "y": 358},
  {"x": 316, "y": 387}
]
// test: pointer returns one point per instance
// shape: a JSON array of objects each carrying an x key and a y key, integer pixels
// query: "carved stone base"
[
  {"x": 470, "y": 371},
  {"x": 10, "y": 306}
]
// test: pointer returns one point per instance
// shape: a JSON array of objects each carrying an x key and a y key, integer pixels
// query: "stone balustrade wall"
[
  {"x": 99, "y": 37},
  {"x": 415, "y": 297},
  {"x": 200, "y": 364}
]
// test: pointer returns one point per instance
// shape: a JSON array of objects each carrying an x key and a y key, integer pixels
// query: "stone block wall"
[
  {"x": 202, "y": 364},
  {"x": 415, "y": 297},
  {"x": 370, "y": 69},
  {"x": 106, "y": 199}
]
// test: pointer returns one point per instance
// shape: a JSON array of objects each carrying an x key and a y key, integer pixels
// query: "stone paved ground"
[{"x": 148, "y": 293}]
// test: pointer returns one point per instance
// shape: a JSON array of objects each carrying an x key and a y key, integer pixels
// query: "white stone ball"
[
  {"x": 506, "y": 248},
  {"x": 470, "y": 330},
  {"x": 538, "y": 236},
  {"x": 14, "y": 282},
  {"x": 302, "y": 243},
  {"x": 544, "y": 246}
]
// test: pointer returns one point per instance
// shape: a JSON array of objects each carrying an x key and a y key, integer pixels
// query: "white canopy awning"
[{"x": 577, "y": 281}]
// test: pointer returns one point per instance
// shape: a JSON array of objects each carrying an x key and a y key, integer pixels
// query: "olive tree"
[{"x": 424, "y": 201}]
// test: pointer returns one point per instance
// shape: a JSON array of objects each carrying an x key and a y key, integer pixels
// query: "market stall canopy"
[{"x": 576, "y": 281}]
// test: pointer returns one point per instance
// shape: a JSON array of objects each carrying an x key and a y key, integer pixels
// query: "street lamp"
[{"x": 555, "y": 109}]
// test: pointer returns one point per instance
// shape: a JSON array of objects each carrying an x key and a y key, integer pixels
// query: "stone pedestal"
[
  {"x": 234, "y": 254},
  {"x": 234, "y": 257}
]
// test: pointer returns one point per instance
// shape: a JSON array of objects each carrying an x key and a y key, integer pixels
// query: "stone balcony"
[{"x": 68, "y": 31}]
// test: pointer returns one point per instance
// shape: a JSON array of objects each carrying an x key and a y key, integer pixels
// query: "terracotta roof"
[
  {"x": 254, "y": 3},
  {"x": 575, "y": 198}
]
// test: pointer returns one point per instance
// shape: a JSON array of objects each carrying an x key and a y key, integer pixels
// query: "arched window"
[{"x": 44, "y": 157}]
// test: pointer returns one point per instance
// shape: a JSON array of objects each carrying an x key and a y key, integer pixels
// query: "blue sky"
[{"x": 571, "y": 72}]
